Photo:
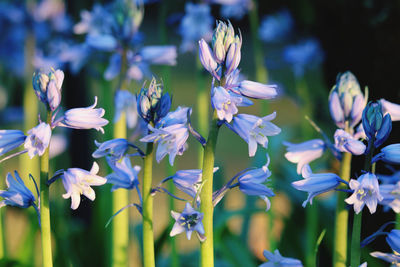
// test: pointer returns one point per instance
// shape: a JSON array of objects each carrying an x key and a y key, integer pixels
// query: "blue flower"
[
  {"x": 391, "y": 108},
  {"x": 10, "y": 139},
  {"x": 257, "y": 90},
  {"x": 391, "y": 196},
  {"x": 393, "y": 259},
  {"x": 125, "y": 101},
  {"x": 84, "y": 118},
  {"x": 366, "y": 191},
  {"x": 276, "y": 259},
  {"x": 376, "y": 126},
  {"x": 390, "y": 154},
  {"x": 17, "y": 193},
  {"x": 102, "y": 42},
  {"x": 77, "y": 182},
  {"x": 159, "y": 54},
  {"x": 171, "y": 140},
  {"x": 207, "y": 59},
  {"x": 345, "y": 142},
  {"x": 226, "y": 102},
  {"x": 179, "y": 116},
  {"x": 276, "y": 27},
  {"x": 188, "y": 221},
  {"x": 251, "y": 183},
  {"x": 316, "y": 184},
  {"x": 115, "y": 149},
  {"x": 346, "y": 101},
  {"x": 255, "y": 130},
  {"x": 124, "y": 175},
  {"x": 38, "y": 139},
  {"x": 305, "y": 152},
  {"x": 188, "y": 181},
  {"x": 393, "y": 239}
]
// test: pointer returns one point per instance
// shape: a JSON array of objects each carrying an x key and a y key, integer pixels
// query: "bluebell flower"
[
  {"x": 251, "y": 183},
  {"x": 391, "y": 108},
  {"x": 391, "y": 196},
  {"x": 179, "y": 116},
  {"x": 84, "y": 118},
  {"x": 257, "y": 90},
  {"x": 304, "y": 153},
  {"x": 366, "y": 192},
  {"x": 237, "y": 9},
  {"x": 390, "y": 154},
  {"x": 316, "y": 184},
  {"x": 196, "y": 24},
  {"x": 393, "y": 239},
  {"x": 10, "y": 139},
  {"x": 346, "y": 101},
  {"x": 255, "y": 130},
  {"x": 125, "y": 101},
  {"x": 207, "y": 59},
  {"x": 377, "y": 127},
  {"x": 233, "y": 55},
  {"x": 17, "y": 194},
  {"x": 171, "y": 140},
  {"x": 77, "y": 182},
  {"x": 302, "y": 55},
  {"x": 114, "y": 149},
  {"x": 276, "y": 27},
  {"x": 188, "y": 221},
  {"x": 393, "y": 259},
  {"x": 276, "y": 259},
  {"x": 48, "y": 87},
  {"x": 124, "y": 175},
  {"x": 226, "y": 102},
  {"x": 38, "y": 139},
  {"x": 345, "y": 142}
]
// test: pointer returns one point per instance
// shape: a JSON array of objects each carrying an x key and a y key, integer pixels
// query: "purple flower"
[
  {"x": 85, "y": 118},
  {"x": 10, "y": 139},
  {"x": 255, "y": 130},
  {"x": 391, "y": 108},
  {"x": 316, "y": 184},
  {"x": 304, "y": 153},
  {"x": 207, "y": 59},
  {"x": 366, "y": 191},
  {"x": 115, "y": 149},
  {"x": 344, "y": 142},
  {"x": 257, "y": 90},
  {"x": 38, "y": 140},
  {"x": 77, "y": 182},
  {"x": 124, "y": 175},
  {"x": 17, "y": 194},
  {"x": 226, "y": 102},
  {"x": 276, "y": 259},
  {"x": 188, "y": 221}
]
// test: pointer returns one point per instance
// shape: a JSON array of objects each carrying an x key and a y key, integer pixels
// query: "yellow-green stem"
[
  {"x": 342, "y": 215},
  {"x": 44, "y": 206},
  {"x": 207, "y": 207},
  {"x": 148, "y": 235}
]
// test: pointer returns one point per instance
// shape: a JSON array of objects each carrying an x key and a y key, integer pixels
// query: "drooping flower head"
[
  {"x": 366, "y": 192},
  {"x": 38, "y": 139},
  {"x": 77, "y": 182},
  {"x": 10, "y": 139},
  {"x": 276, "y": 259},
  {"x": 115, "y": 149},
  {"x": 188, "y": 221},
  {"x": 17, "y": 194},
  {"x": 390, "y": 154},
  {"x": 377, "y": 127},
  {"x": 124, "y": 175},
  {"x": 345, "y": 142}
]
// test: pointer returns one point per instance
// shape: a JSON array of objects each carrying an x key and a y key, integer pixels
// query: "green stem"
[
  {"x": 311, "y": 233},
  {"x": 148, "y": 236},
  {"x": 342, "y": 215},
  {"x": 207, "y": 207},
  {"x": 44, "y": 206},
  {"x": 355, "y": 240}
]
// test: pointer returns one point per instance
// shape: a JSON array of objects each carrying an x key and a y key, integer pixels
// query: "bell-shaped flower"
[
  {"x": 252, "y": 183},
  {"x": 391, "y": 108},
  {"x": 316, "y": 183},
  {"x": 366, "y": 192},
  {"x": 115, "y": 149},
  {"x": 125, "y": 102},
  {"x": 17, "y": 194},
  {"x": 257, "y": 90},
  {"x": 207, "y": 58},
  {"x": 226, "y": 102},
  {"x": 85, "y": 118},
  {"x": 391, "y": 196},
  {"x": 10, "y": 139},
  {"x": 38, "y": 139},
  {"x": 377, "y": 126},
  {"x": 171, "y": 140},
  {"x": 346, "y": 101},
  {"x": 393, "y": 239},
  {"x": 392, "y": 258},
  {"x": 188, "y": 221},
  {"x": 304, "y": 153},
  {"x": 255, "y": 130},
  {"x": 77, "y": 182},
  {"x": 179, "y": 116},
  {"x": 276, "y": 259},
  {"x": 124, "y": 175},
  {"x": 390, "y": 154},
  {"x": 345, "y": 142}
]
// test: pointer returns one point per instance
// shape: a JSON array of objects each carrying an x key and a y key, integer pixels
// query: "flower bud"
[
  {"x": 376, "y": 126},
  {"x": 40, "y": 81},
  {"x": 152, "y": 102},
  {"x": 234, "y": 55},
  {"x": 207, "y": 58},
  {"x": 48, "y": 88}
]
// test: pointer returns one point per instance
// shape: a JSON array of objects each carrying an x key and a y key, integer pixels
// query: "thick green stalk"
[
  {"x": 355, "y": 240},
  {"x": 342, "y": 215},
  {"x": 207, "y": 207},
  {"x": 45, "y": 207},
  {"x": 148, "y": 235},
  {"x": 311, "y": 233}
]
